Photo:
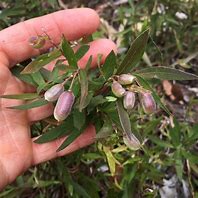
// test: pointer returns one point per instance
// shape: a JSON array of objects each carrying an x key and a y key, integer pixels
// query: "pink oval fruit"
[
  {"x": 117, "y": 89},
  {"x": 64, "y": 105},
  {"x": 54, "y": 92},
  {"x": 129, "y": 100},
  {"x": 126, "y": 79},
  {"x": 148, "y": 102}
]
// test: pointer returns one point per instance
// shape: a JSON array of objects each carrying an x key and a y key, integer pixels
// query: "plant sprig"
[{"x": 84, "y": 94}]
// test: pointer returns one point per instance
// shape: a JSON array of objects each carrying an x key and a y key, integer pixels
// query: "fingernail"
[
  {"x": 117, "y": 89},
  {"x": 64, "y": 105},
  {"x": 54, "y": 92},
  {"x": 126, "y": 79},
  {"x": 148, "y": 102},
  {"x": 129, "y": 100}
]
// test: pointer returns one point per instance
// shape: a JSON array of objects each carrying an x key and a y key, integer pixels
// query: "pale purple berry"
[
  {"x": 148, "y": 102},
  {"x": 129, "y": 100},
  {"x": 131, "y": 141},
  {"x": 64, "y": 105},
  {"x": 54, "y": 92},
  {"x": 126, "y": 79},
  {"x": 117, "y": 89}
]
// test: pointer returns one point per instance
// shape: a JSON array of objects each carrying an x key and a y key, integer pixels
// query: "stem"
[
  {"x": 67, "y": 79},
  {"x": 50, "y": 40},
  {"x": 72, "y": 82}
]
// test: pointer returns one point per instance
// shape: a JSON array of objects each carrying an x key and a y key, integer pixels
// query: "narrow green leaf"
[
  {"x": 125, "y": 123},
  {"x": 179, "y": 164},
  {"x": 124, "y": 117},
  {"x": 109, "y": 65},
  {"x": 105, "y": 131},
  {"x": 38, "y": 78},
  {"x": 111, "y": 160},
  {"x": 82, "y": 50},
  {"x": 57, "y": 132},
  {"x": 192, "y": 136},
  {"x": 78, "y": 118},
  {"x": 23, "y": 77},
  {"x": 165, "y": 73},
  {"x": 175, "y": 133},
  {"x": 134, "y": 54},
  {"x": 146, "y": 85},
  {"x": 95, "y": 101},
  {"x": 30, "y": 105},
  {"x": 25, "y": 96},
  {"x": 84, "y": 88},
  {"x": 75, "y": 133},
  {"x": 55, "y": 73},
  {"x": 192, "y": 157},
  {"x": 46, "y": 74},
  {"x": 80, "y": 190},
  {"x": 69, "y": 53},
  {"x": 41, "y": 61},
  {"x": 159, "y": 142}
]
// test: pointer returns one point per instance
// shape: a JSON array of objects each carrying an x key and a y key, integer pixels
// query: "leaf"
[
  {"x": 80, "y": 190},
  {"x": 192, "y": 136},
  {"x": 69, "y": 53},
  {"x": 159, "y": 142},
  {"x": 57, "y": 132},
  {"x": 146, "y": 85},
  {"x": 134, "y": 54},
  {"x": 75, "y": 133},
  {"x": 78, "y": 119},
  {"x": 23, "y": 77},
  {"x": 83, "y": 87},
  {"x": 165, "y": 73},
  {"x": 30, "y": 105},
  {"x": 175, "y": 134},
  {"x": 125, "y": 122},
  {"x": 178, "y": 163},
  {"x": 25, "y": 96},
  {"x": 41, "y": 61},
  {"x": 95, "y": 101},
  {"x": 38, "y": 78},
  {"x": 81, "y": 51},
  {"x": 109, "y": 65},
  {"x": 46, "y": 74},
  {"x": 105, "y": 131},
  {"x": 111, "y": 160}
]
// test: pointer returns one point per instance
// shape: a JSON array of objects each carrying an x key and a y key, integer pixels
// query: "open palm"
[{"x": 17, "y": 151}]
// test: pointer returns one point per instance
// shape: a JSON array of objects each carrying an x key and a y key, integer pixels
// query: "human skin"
[{"x": 18, "y": 152}]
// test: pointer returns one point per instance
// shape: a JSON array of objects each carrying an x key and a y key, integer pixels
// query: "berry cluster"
[
  {"x": 65, "y": 101},
  {"x": 123, "y": 87}
]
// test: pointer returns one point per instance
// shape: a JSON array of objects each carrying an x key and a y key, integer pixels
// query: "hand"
[{"x": 17, "y": 150}]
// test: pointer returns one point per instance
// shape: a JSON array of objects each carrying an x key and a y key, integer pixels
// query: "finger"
[
  {"x": 101, "y": 46},
  {"x": 98, "y": 47},
  {"x": 73, "y": 23},
  {"x": 47, "y": 151},
  {"x": 40, "y": 113}
]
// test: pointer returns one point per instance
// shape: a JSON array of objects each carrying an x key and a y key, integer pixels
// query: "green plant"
[
  {"x": 166, "y": 150},
  {"x": 81, "y": 87}
]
